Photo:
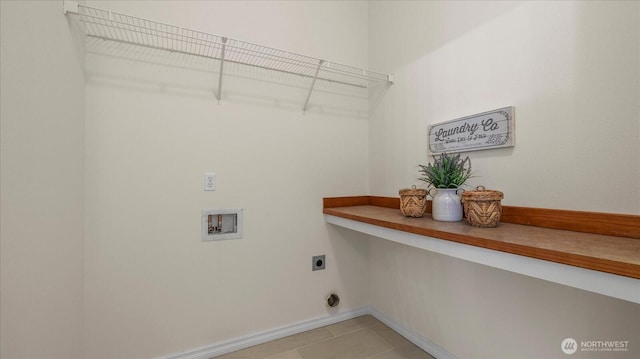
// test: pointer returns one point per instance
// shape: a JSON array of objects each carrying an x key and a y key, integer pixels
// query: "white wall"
[
  {"x": 42, "y": 183},
  {"x": 476, "y": 311},
  {"x": 152, "y": 287},
  {"x": 571, "y": 69}
]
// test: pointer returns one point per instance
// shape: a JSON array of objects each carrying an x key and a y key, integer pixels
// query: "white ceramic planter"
[{"x": 446, "y": 205}]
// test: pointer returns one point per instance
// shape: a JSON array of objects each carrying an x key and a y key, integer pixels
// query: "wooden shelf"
[{"x": 601, "y": 259}]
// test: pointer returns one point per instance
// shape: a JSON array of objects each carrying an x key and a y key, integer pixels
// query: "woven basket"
[
  {"x": 482, "y": 207},
  {"x": 413, "y": 201}
]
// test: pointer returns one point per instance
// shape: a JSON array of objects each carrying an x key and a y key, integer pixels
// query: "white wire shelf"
[{"x": 108, "y": 25}]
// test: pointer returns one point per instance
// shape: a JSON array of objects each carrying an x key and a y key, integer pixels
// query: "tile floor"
[{"x": 359, "y": 338}]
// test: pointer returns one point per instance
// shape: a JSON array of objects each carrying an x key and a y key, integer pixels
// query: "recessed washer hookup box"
[{"x": 221, "y": 223}]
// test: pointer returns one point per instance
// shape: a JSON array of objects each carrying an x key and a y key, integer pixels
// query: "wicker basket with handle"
[
  {"x": 482, "y": 207},
  {"x": 413, "y": 201}
]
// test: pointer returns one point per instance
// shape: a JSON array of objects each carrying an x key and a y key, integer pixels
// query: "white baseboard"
[
  {"x": 228, "y": 346},
  {"x": 428, "y": 346}
]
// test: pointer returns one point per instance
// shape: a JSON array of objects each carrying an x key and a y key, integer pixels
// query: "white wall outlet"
[{"x": 209, "y": 181}]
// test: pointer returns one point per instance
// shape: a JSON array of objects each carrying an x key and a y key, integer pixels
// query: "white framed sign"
[{"x": 487, "y": 130}]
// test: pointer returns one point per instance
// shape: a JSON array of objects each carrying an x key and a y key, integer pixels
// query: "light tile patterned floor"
[{"x": 359, "y": 338}]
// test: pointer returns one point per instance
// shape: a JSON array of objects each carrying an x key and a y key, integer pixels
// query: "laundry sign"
[{"x": 492, "y": 129}]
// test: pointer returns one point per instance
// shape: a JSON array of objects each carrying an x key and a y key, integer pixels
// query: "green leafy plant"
[{"x": 447, "y": 171}]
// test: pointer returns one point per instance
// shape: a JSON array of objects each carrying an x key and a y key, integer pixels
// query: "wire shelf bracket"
[
  {"x": 108, "y": 25},
  {"x": 224, "y": 45},
  {"x": 313, "y": 83}
]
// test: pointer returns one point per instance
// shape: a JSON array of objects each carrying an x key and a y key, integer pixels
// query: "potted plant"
[{"x": 447, "y": 174}]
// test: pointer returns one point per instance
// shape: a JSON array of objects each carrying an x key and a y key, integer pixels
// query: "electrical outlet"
[
  {"x": 318, "y": 262},
  {"x": 209, "y": 181}
]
